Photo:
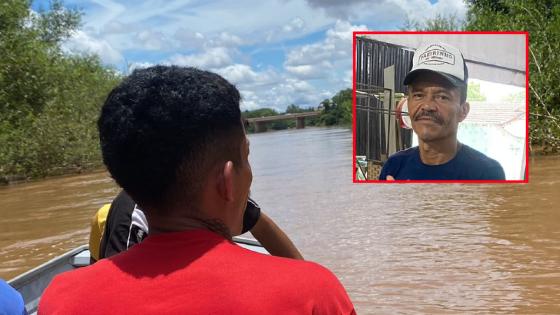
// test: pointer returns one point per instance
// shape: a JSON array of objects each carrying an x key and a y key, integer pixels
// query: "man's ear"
[
  {"x": 225, "y": 181},
  {"x": 464, "y": 111}
]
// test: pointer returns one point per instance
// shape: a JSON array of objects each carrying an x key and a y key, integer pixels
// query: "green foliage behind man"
[{"x": 49, "y": 101}]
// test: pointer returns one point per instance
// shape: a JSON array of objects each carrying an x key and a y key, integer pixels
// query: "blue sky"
[{"x": 277, "y": 52}]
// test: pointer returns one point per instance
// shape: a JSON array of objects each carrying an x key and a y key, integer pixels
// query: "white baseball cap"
[{"x": 440, "y": 58}]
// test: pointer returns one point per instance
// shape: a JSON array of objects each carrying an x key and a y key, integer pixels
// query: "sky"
[{"x": 277, "y": 52}]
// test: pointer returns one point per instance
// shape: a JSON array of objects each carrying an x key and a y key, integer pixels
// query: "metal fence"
[
  {"x": 370, "y": 122},
  {"x": 372, "y": 57}
]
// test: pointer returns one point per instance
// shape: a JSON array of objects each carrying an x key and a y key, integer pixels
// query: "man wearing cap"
[
  {"x": 173, "y": 139},
  {"x": 437, "y": 94}
]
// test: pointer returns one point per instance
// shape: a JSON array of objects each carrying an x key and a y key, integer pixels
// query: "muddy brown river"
[{"x": 398, "y": 249}]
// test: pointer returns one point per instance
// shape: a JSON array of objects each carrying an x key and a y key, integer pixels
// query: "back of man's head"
[{"x": 164, "y": 128}]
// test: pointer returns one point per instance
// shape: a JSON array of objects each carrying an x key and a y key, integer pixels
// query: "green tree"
[
  {"x": 337, "y": 110},
  {"x": 49, "y": 101},
  {"x": 474, "y": 94},
  {"x": 293, "y": 109},
  {"x": 57, "y": 24},
  {"x": 438, "y": 23},
  {"x": 261, "y": 112}
]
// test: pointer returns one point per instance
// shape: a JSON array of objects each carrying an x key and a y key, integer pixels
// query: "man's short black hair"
[{"x": 164, "y": 128}]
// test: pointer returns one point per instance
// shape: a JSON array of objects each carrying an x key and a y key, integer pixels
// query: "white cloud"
[
  {"x": 228, "y": 40},
  {"x": 347, "y": 78},
  {"x": 244, "y": 21},
  {"x": 107, "y": 12},
  {"x": 271, "y": 89},
  {"x": 295, "y": 85},
  {"x": 295, "y": 25},
  {"x": 249, "y": 100},
  {"x": 216, "y": 35},
  {"x": 152, "y": 40},
  {"x": 286, "y": 91},
  {"x": 320, "y": 58},
  {"x": 216, "y": 57},
  {"x": 191, "y": 40},
  {"x": 344, "y": 9},
  {"x": 116, "y": 27},
  {"x": 139, "y": 65},
  {"x": 81, "y": 42},
  {"x": 239, "y": 74},
  {"x": 421, "y": 10},
  {"x": 382, "y": 12},
  {"x": 246, "y": 77},
  {"x": 293, "y": 28},
  {"x": 310, "y": 71}
]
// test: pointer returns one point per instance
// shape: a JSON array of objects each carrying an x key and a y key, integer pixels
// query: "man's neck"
[
  {"x": 438, "y": 152},
  {"x": 180, "y": 223}
]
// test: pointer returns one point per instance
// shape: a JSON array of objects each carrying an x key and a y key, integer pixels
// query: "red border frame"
[{"x": 355, "y": 180}]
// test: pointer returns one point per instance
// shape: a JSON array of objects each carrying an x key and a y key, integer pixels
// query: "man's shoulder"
[
  {"x": 71, "y": 288},
  {"x": 85, "y": 275},
  {"x": 396, "y": 161},
  {"x": 478, "y": 157},
  {"x": 291, "y": 267},
  {"x": 309, "y": 283},
  {"x": 492, "y": 169}
]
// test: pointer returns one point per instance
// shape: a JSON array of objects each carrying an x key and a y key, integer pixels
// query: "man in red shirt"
[{"x": 173, "y": 139}]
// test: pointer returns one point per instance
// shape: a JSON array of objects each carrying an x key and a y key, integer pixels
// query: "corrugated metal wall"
[{"x": 372, "y": 57}]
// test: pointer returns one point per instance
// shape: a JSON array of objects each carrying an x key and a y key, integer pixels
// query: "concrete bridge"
[{"x": 261, "y": 122}]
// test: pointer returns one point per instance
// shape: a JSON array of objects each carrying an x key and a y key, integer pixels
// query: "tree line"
[
  {"x": 49, "y": 100},
  {"x": 334, "y": 111}
]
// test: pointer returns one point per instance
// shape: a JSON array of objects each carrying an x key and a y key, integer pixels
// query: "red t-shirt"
[{"x": 196, "y": 272}]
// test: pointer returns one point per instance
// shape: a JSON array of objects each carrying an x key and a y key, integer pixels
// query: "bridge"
[{"x": 261, "y": 122}]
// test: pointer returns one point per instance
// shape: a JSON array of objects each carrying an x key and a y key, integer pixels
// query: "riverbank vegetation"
[
  {"x": 541, "y": 18},
  {"x": 49, "y": 101}
]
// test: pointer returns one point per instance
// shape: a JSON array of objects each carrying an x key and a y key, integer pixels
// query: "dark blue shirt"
[{"x": 468, "y": 164}]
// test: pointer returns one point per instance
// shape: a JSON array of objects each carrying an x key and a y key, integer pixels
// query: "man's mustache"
[{"x": 434, "y": 116}]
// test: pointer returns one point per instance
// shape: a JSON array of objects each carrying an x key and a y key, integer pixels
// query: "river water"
[{"x": 398, "y": 249}]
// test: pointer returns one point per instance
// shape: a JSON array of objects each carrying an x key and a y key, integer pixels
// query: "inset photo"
[{"x": 440, "y": 107}]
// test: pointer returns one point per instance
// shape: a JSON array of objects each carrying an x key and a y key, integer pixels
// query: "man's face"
[{"x": 434, "y": 107}]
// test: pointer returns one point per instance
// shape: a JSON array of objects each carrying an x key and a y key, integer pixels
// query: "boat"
[{"x": 33, "y": 283}]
